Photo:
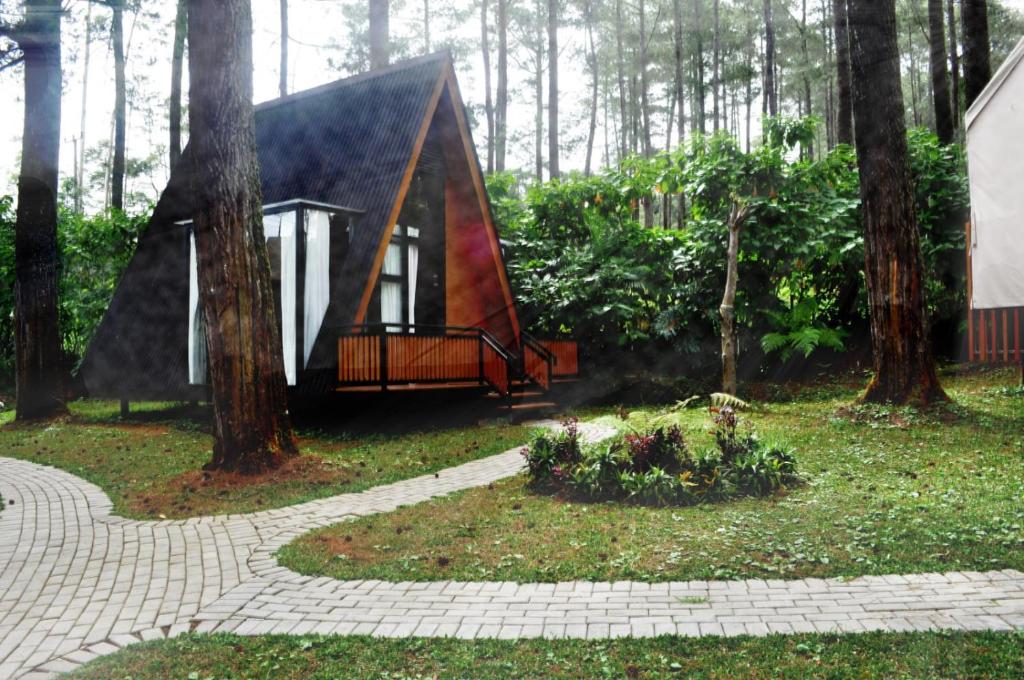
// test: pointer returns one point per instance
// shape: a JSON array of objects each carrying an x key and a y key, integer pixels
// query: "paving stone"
[{"x": 77, "y": 582}]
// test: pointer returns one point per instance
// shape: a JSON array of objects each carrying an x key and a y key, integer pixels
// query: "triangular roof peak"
[
  {"x": 995, "y": 83},
  {"x": 443, "y": 56}
]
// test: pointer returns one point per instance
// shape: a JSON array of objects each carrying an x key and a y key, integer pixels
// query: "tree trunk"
[
  {"x": 251, "y": 428},
  {"x": 620, "y": 61},
  {"x": 954, "y": 63},
  {"x": 750, "y": 94},
  {"x": 588, "y": 12},
  {"x": 977, "y": 66},
  {"x": 80, "y": 174},
  {"x": 913, "y": 75},
  {"x": 698, "y": 32},
  {"x": 485, "y": 47},
  {"x": 380, "y": 48},
  {"x": 737, "y": 216},
  {"x": 553, "y": 89},
  {"x": 769, "y": 60},
  {"x": 282, "y": 85},
  {"x": 117, "y": 167},
  {"x": 501, "y": 114},
  {"x": 844, "y": 115},
  {"x": 677, "y": 41},
  {"x": 940, "y": 77},
  {"x": 177, "y": 62},
  {"x": 903, "y": 367},
  {"x": 538, "y": 73},
  {"x": 37, "y": 344},
  {"x": 645, "y": 113},
  {"x": 807, "y": 78},
  {"x": 716, "y": 78}
]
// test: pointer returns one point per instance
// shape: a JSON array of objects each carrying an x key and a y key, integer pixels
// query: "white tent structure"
[{"x": 995, "y": 269}]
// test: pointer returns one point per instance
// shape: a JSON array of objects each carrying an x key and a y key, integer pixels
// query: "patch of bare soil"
[{"x": 199, "y": 492}]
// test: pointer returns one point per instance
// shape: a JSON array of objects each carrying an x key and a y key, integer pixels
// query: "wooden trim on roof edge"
[{"x": 403, "y": 190}]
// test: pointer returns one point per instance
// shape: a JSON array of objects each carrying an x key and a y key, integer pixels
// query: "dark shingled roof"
[{"x": 346, "y": 143}]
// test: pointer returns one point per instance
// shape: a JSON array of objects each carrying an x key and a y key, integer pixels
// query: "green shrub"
[{"x": 655, "y": 467}]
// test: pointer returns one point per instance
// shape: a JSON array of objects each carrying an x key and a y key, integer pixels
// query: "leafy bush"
[
  {"x": 655, "y": 467},
  {"x": 582, "y": 263},
  {"x": 94, "y": 252}
]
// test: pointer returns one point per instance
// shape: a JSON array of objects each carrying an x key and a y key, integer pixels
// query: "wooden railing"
[
  {"x": 370, "y": 355},
  {"x": 537, "y": 361},
  {"x": 994, "y": 335},
  {"x": 565, "y": 357}
]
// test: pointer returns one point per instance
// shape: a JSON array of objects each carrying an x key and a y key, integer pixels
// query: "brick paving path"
[{"x": 77, "y": 582}]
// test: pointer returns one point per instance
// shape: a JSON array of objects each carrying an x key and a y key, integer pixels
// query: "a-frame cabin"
[{"x": 386, "y": 264}]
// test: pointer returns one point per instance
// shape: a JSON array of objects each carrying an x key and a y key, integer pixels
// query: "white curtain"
[
  {"x": 196, "y": 327},
  {"x": 391, "y": 304},
  {"x": 414, "y": 261},
  {"x": 318, "y": 277},
  {"x": 288, "y": 269}
]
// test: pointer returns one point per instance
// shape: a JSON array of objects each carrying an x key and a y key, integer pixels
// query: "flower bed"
[{"x": 656, "y": 467}]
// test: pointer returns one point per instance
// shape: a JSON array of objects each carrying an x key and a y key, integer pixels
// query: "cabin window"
[{"x": 398, "y": 276}]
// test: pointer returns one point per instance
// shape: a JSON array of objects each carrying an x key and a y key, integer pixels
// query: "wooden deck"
[{"x": 376, "y": 357}]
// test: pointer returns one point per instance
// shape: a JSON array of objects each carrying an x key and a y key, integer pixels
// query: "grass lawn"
[
  {"x": 150, "y": 464},
  {"x": 886, "y": 491},
  {"x": 891, "y": 655}
]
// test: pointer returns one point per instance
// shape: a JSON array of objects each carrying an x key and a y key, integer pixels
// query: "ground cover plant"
[
  {"x": 886, "y": 490},
  {"x": 918, "y": 655},
  {"x": 151, "y": 463},
  {"x": 654, "y": 466}
]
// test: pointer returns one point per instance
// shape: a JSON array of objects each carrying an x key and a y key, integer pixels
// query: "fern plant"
[{"x": 800, "y": 329}]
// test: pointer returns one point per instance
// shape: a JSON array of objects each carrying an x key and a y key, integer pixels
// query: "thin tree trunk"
[
  {"x": 251, "y": 428},
  {"x": 716, "y": 66},
  {"x": 117, "y": 166},
  {"x": 538, "y": 72},
  {"x": 426, "y": 26},
  {"x": 501, "y": 114},
  {"x": 750, "y": 95},
  {"x": 903, "y": 367},
  {"x": 808, "y": 108},
  {"x": 954, "y": 63},
  {"x": 553, "y": 151},
  {"x": 698, "y": 32},
  {"x": 940, "y": 77},
  {"x": 620, "y": 61},
  {"x": 485, "y": 47},
  {"x": 37, "y": 344},
  {"x": 769, "y": 60},
  {"x": 588, "y": 12},
  {"x": 737, "y": 216},
  {"x": 80, "y": 174},
  {"x": 282, "y": 84},
  {"x": 177, "y": 63},
  {"x": 380, "y": 48},
  {"x": 913, "y": 75},
  {"x": 844, "y": 115},
  {"x": 977, "y": 65},
  {"x": 645, "y": 108},
  {"x": 677, "y": 43}
]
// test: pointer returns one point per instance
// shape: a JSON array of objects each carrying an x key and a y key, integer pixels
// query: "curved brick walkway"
[{"x": 77, "y": 582}]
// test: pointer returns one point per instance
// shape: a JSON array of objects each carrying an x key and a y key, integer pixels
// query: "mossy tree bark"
[
  {"x": 904, "y": 371},
  {"x": 39, "y": 369},
  {"x": 252, "y": 431},
  {"x": 976, "y": 56}
]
